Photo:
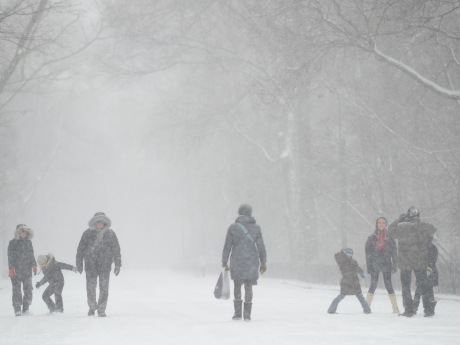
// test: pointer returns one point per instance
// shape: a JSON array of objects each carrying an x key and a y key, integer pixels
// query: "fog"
[{"x": 167, "y": 115}]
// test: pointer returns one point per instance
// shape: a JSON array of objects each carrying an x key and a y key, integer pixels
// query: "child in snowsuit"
[
  {"x": 349, "y": 285},
  {"x": 53, "y": 275},
  {"x": 21, "y": 264},
  {"x": 432, "y": 273}
]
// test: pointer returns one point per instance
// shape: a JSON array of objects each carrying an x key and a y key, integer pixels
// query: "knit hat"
[{"x": 245, "y": 210}]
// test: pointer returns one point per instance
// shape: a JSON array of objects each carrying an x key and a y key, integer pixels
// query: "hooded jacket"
[
  {"x": 98, "y": 248},
  {"x": 384, "y": 261},
  {"x": 246, "y": 251},
  {"x": 414, "y": 238},
  {"x": 349, "y": 284},
  {"x": 52, "y": 271},
  {"x": 21, "y": 253}
]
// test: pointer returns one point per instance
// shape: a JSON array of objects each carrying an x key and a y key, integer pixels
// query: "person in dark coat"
[
  {"x": 433, "y": 279},
  {"x": 245, "y": 247},
  {"x": 98, "y": 248},
  {"x": 349, "y": 285},
  {"x": 381, "y": 258},
  {"x": 414, "y": 238},
  {"x": 21, "y": 264},
  {"x": 52, "y": 274}
]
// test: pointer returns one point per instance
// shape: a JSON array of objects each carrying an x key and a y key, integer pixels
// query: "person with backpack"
[
  {"x": 381, "y": 254},
  {"x": 414, "y": 238},
  {"x": 245, "y": 248},
  {"x": 21, "y": 264}
]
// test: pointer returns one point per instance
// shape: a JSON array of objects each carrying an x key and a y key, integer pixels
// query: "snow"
[{"x": 163, "y": 307}]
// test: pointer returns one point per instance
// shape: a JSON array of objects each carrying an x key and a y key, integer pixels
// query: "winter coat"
[
  {"x": 21, "y": 255},
  {"x": 246, "y": 251},
  {"x": 52, "y": 272},
  {"x": 432, "y": 258},
  {"x": 414, "y": 238},
  {"x": 98, "y": 253},
  {"x": 349, "y": 285},
  {"x": 384, "y": 261}
]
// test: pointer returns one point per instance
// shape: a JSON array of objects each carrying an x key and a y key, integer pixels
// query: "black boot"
[
  {"x": 429, "y": 312},
  {"x": 415, "y": 304},
  {"x": 408, "y": 312},
  {"x": 247, "y": 311},
  {"x": 238, "y": 304}
]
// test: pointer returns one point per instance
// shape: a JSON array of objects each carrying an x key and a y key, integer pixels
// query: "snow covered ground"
[{"x": 163, "y": 307}]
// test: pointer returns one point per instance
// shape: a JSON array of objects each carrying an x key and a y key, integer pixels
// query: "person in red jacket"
[{"x": 21, "y": 263}]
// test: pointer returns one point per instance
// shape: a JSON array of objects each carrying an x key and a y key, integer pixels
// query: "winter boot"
[
  {"x": 17, "y": 311},
  {"x": 429, "y": 312},
  {"x": 369, "y": 298},
  {"x": 415, "y": 304},
  {"x": 408, "y": 312},
  {"x": 247, "y": 311},
  {"x": 25, "y": 309},
  {"x": 238, "y": 304},
  {"x": 91, "y": 312},
  {"x": 394, "y": 303},
  {"x": 101, "y": 313}
]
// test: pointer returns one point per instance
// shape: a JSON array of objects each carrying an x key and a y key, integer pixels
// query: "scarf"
[{"x": 380, "y": 244}]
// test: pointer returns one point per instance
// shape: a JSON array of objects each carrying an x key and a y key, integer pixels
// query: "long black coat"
[
  {"x": 52, "y": 272},
  {"x": 349, "y": 285},
  {"x": 21, "y": 255},
  {"x": 384, "y": 261},
  {"x": 245, "y": 255},
  {"x": 98, "y": 258},
  {"x": 414, "y": 238}
]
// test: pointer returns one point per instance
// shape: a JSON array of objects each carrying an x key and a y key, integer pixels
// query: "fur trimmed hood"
[
  {"x": 99, "y": 217},
  {"x": 44, "y": 260},
  {"x": 23, "y": 227}
]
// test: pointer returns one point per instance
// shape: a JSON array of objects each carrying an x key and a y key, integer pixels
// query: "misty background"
[{"x": 167, "y": 115}]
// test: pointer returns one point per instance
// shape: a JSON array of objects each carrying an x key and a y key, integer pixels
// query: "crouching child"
[
  {"x": 53, "y": 275},
  {"x": 349, "y": 285}
]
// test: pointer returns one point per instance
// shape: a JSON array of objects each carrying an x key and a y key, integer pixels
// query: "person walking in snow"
[
  {"x": 349, "y": 285},
  {"x": 52, "y": 274},
  {"x": 414, "y": 238},
  {"x": 433, "y": 277},
  {"x": 21, "y": 264},
  {"x": 381, "y": 258},
  {"x": 98, "y": 248},
  {"x": 245, "y": 247}
]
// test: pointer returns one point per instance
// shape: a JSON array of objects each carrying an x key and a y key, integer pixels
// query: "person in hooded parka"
[
  {"x": 21, "y": 264},
  {"x": 52, "y": 274},
  {"x": 98, "y": 249},
  {"x": 245, "y": 247}
]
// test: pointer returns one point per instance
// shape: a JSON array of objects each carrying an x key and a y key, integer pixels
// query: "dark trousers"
[
  {"x": 56, "y": 290},
  {"x": 247, "y": 291},
  {"x": 386, "y": 281},
  {"x": 91, "y": 285},
  {"x": 18, "y": 299},
  {"x": 422, "y": 284}
]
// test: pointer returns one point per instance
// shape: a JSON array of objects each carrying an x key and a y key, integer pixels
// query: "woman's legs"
[
  {"x": 374, "y": 282},
  {"x": 387, "y": 282},
  {"x": 248, "y": 292}
]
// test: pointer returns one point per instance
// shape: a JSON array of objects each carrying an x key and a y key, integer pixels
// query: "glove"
[
  {"x": 263, "y": 268},
  {"x": 429, "y": 271},
  {"x": 362, "y": 274},
  {"x": 37, "y": 286},
  {"x": 34, "y": 269},
  {"x": 225, "y": 266},
  {"x": 75, "y": 269},
  {"x": 12, "y": 273},
  {"x": 117, "y": 270}
]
